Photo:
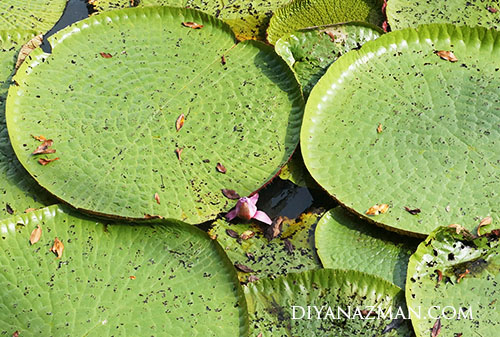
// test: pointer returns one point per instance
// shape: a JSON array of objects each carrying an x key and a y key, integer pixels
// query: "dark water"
[{"x": 280, "y": 197}]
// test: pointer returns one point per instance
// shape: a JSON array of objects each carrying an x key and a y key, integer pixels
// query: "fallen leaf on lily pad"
[
  {"x": 157, "y": 198},
  {"x": 243, "y": 268},
  {"x": 230, "y": 194},
  {"x": 221, "y": 168},
  {"x": 193, "y": 25},
  {"x": 44, "y": 147},
  {"x": 446, "y": 55},
  {"x": 45, "y": 161},
  {"x": 377, "y": 209},
  {"x": 28, "y": 48},
  {"x": 485, "y": 222},
  {"x": 106, "y": 55},
  {"x": 180, "y": 122},
  {"x": 57, "y": 248},
  {"x": 35, "y": 235}
]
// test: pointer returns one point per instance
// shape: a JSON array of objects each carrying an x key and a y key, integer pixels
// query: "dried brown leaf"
[
  {"x": 331, "y": 35},
  {"x": 247, "y": 235},
  {"x": 15, "y": 334},
  {"x": 106, "y": 55},
  {"x": 446, "y": 55},
  {"x": 461, "y": 276},
  {"x": 383, "y": 208},
  {"x": 220, "y": 168},
  {"x": 232, "y": 233},
  {"x": 243, "y": 268},
  {"x": 485, "y": 222},
  {"x": 28, "y": 48},
  {"x": 178, "y": 151},
  {"x": 157, "y": 198},
  {"x": 45, "y": 161},
  {"x": 27, "y": 210},
  {"x": 289, "y": 246},
  {"x": 377, "y": 209},
  {"x": 193, "y": 25},
  {"x": 149, "y": 216},
  {"x": 492, "y": 10},
  {"x": 36, "y": 234},
  {"x": 253, "y": 278},
  {"x": 180, "y": 122},
  {"x": 413, "y": 211},
  {"x": 380, "y": 128},
  {"x": 440, "y": 275},
  {"x": 9, "y": 209},
  {"x": 230, "y": 194},
  {"x": 132, "y": 277},
  {"x": 57, "y": 248},
  {"x": 275, "y": 229},
  {"x": 44, "y": 147},
  {"x": 39, "y": 138},
  {"x": 436, "y": 329}
]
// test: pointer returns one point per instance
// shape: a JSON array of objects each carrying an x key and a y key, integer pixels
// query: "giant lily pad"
[
  {"x": 408, "y": 13},
  {"x": 18, "y": 189},
  {"x": 396, "y": 124},
  {"x": 291, "y": 251},
  {"x": 110, "y": 96},
  {"x": 247, "y": 18},
  {"x": 346, "y": 242},
  {"x": 115, "y": 279},
  {"x": 310, "y": 52},
  {"x": 285, "y": 306},
  {"x": 453, "y": 281},
  {"x": 38, "y": 15},
  {"x": 301, "y": 14}
]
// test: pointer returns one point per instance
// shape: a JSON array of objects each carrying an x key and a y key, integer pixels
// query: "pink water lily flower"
[{"x": 246, "y": 209}]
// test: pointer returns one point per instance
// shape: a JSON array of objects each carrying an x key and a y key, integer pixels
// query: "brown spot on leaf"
[
  {"x": 446, "y": 55},
  {"x": 380, "y": 128},
  {"x": 484, "y": 222},
  {"x": 220, "y": 168},
  {"x": 193, "y": 25},
  {"x": 36, "y": 234},
  {"x": 492, "y": 10},
  {"x": 440, "y": 275},
  {"x": 436, "y": 329},
  {"x": 44, "y": 147},
  {"x": 106, "y": 55},
  {"x": 223, "y": 60},
  {"x": 45, "y": 161},
  {"x": 57, "y": 248},
  {"x": 232, "y": 233},
  {"x": 9, "y": 209},
  {"x": 178, "y": 151},
  {"x": 149, "y": 216},
  {"x": 27, "y": 48},
  {"x": 377, "y": 209},
  {"x": 247, "y": 235},
  {"x": 413, "y": 211},
  {"x": 243, "y": 268},
  {"x": 180, "y": 122},
  {"x": 157, "y": 198},
  {"x": 15, "y": 334},
  {"x": 230, "y": 194},
  {"x": 39, "y": 138}
]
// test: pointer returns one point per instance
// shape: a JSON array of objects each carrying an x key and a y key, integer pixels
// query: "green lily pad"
[
  {"x": 115, "y": 279},
  {"x": 346, "y": 242},
  {"x": 407, "y": 13},
  {"x": 296, "y": 172},
  {"x": 454, "y": 278},
  {"x": 310, "y": 52},
  {"x": 301, "y": 14},
  {"x": 18, "y": 189},
  {"x": 271, "y": 305},
  {"x": 247, "y": 18},
  {"x": 110, "y": 94},
  {"x": 396, "y": 124},
  {"x": 270, "y": 258},
  {"x": 38, "y": 15}
]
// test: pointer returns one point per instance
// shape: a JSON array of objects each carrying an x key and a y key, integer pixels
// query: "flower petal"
[
  {"x": 231, "y": 215},
  {"x": 263, "y": 217},
  {"x": 254, "y": 198}
]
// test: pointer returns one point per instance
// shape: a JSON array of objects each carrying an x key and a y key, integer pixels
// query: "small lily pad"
[
  {"x": 453, "y": 277},
  {"x": 115, "y": 279},
  {"x": 285, "y": 306},
  {"x": 344, "y": 241},
  {"x": 267, "y": 256}
]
